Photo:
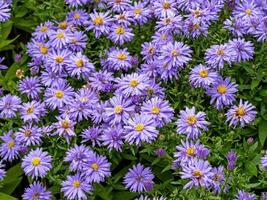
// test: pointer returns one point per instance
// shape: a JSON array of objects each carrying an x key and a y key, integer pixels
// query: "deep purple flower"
[
  {"x": 51, "y": 79},
  {"x": 160, "y": 152},
  {"x": 36, "y": 191},
  {"x": 113, "y": 138},
  {"x": 218, "y": 179},
  {"x": 231, "y": 158},
  {"x": 222, "y": 92},
  {"x": 30, "y": 86},
  {"x": 100, "y": 79},
  {"x": 264, "y": 161},
  {"x": 236, "y": 26},
  {"x": 245, "y": 196},
  {"x": 36, "y": 163},
  {"x": 92, "y": 135},
  {"x": 9, "y": 105},
  {"x": 9, "y": 149},
  {"x": 244, "y": 50},
  {"x": 29, "y": 135},
  {"x": 76, "y": 187},
  {"x": 139, "y": 178},
  {"x": 191, "y": 123}
]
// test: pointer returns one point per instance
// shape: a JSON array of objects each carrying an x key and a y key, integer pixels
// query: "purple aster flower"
[
  {"x": 80, "y": 66},
  {"x": 120, "y": 34},
  {"x": 50, "y": 78},
  {"x": 150, "y": 50},
  {"x": 172, "y": 24},
  {"x": 76, "y": 187},
  {"x": 29, "y": 135},
  {"x": 1, "y": 60},
  {"x": 118, "y": 110},
  {"x": 261, "y": 31},
  {"x": 2, "y": 171},
  {"x": 151, "y": 69},
  {"x": 162, "y": 38},
  {"x": 59, "y": 38},
  {"x": 140, "y": 13},
  {"x": 195, "y": 28},
  {"x": 159, "y": 109},
  {"x": 199, "y": 172},
  {"x": 264, "y": 161},
  {"x": 5, "y": 11},
  {"x": 160, "y": 152},
  {"x": 99, "y": 80},
  {"x": 30, "y": 86},
  {"x": 244, "y": 113},
  {"x": 264, "y": 196},
  {"x": 78, "y": 41},
  {"x": 77, "y": 17},
  {"x": 65, "y": 127},
  {"x": 76, "y": 3},
  {"x": 41, "y": 32},
  {"x": 119, "y": 59},
  {"x": 119, "y": 6},
  {"x": 58, "y": 95},
  {"x": 77, "y": 156},
  {"x": 245, "y": 196},
  {"x": 140, "y": 128},
  {"x": 165, "y": 8},
  {"x": 38, "y": 50},
  {"x": 131, "y": 84},
  {"x": 96, "y": 168},
  {"x": 218, "y": 179},
  {"x": 100, "y": 23},
  {"x": 9, "y": 105},
  {"x": 98, "y": 112},
  {"x": 9, "y": 149},
  {"x": 154, "y": 90},
  {"x": 36, "y": 191},
  {"x": 202, "y": 76},
  {"x": 176, "y": 54},
  {"x": 124, "y": 19},
  {"x": 57, "y": 60},
  {"x": 244, "y": 50},
  {"x": 36, "y": 163},
  {"x": 139, "y": 179},
  {"x": 112, "y": 137},
  {"x": 217, "y": 55},
  {"x": 222, "y": 92},
  {"x": 191, "y": 123},
  {"x": 92, "y": 135},
  {"x": 32, "y": 111},
  {"x": 246, "y": 9},
  {"x": 236, "y": 26},
  {"x": 231, "y": 159}
]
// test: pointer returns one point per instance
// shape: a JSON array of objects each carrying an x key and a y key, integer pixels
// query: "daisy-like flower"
[
  {"x": 191, "y": 123},
  {"x": 78, "y": 41},
  {"x": 139, "y": 179},
  {"x": 96, "y": 168},
  {"x": 2, "y": 171},
  {"x": 119, "y": 59},
  {"x": 244, "y": 113},
  {"x": 231, "y": 160},
  {"x": 112, "y": 137},
  {"x": 65, "y": 127},
  {"x": 32, "y": 111},
  {"x": 149, "y": 51},
  {"x": 202, "y": 76},
  {"x": 98, "y": 112},
  {"x": 118, "y": 110},
  {"x": 246, "y": 9},
  {"x": 5, "y": 11},
  {"x": 120, "y": 34},
  {"x": 76, "y": 187},
  {"x": 29, "y": 135},
  {"x": 77, "y": 17},
  {"x": 218, "y": 179},
  {"x": 9, "y": 149},
  {"x": 59, "y": 38},
  {"x": 140, "y": 13},
  {"x": 50, "y": 78},
  {"x": 175, "y": 54},
  {"x": 244, "y": 50},
  {"x": 169, "y": 25},
  {"x": 236, "y": 26},
  {"x": 9, "y": 105},
  {"x": 57, "y": 60},
  {"x": 92, "y": 135},
  {"x": 140, "y": 128},
  {"x": 222, "y": 92},
  {"x": 99, "y": 80},
  {"x": 195, "y": 28},
  {"x": 217, "y": 55},
  {"x": 264, "y": 161},
  {"x": 30, "y": 86},
  {"x": 119, "y": 6},
  {"x": 162, "y": 38},
  {"x": 41, "y": 32},
  {"x": 58, "y": 95},
  {"x": 76, "y": 3},
  {"x": 131, "y": 85},
  {"x": 165, "y": 8},
  {"x": 199, "y": 172},
  {"x": 100, "y": 23},
  {"x": 36, "y": 191},
  {"x": 125, "y": 18},
  {"x": 77, "y": 156},
  {"x": 159, "y": 109},
  {"x": 241, "y": 195},
  {"x": 36, "y": 163}
]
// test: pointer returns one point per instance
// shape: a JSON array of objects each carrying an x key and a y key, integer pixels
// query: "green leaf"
[
  {"x": 5, "y": 29},
  {"x": 251, "y": 168},
  {"x": 25, "y": 24},
  {"x": 20, "y": 11},
  {"x": 254, "y": 83},
  {"x": 6, "y": 43},
  {"x": 124, "y": 195},
  {"x": 263, "y": 92},
  {"x": 262, "y": 131},
  {"x": 4, "y": 196}
]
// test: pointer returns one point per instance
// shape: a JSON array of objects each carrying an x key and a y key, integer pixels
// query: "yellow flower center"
[
  {"x": 79, "y": 63},
  {"x": 190, "y": 151},
  {"x": 30, "y": 110},
  {"x": 168, "y": 20},
  {"x": 196, "y": 26},
  {"x": 98, "y": 21},
  {"x": 77, "y": 16},
  {"x": 163, "y": 36},
  {"x": 221, "y": 89},
  {"x": 197, "y": 13},
  {"x": 76, "y": 184},
  {"x": 59, "y": 94},
  {"x": 191, "y": 120},
  {"x": 203, "y": 73},
  {"x": 248, "y": 11},
  {"x": 150, "y": 90},
  {"x": 198, "y": 173},
  {"x": 36, "y": 196},
  {"x": 43, "y": 29},
  {"x": 139, "y": 127},
  {"x": 28, "y": 133},
  {"x": 60, "y": 35},
  {"x": 36, "y": 161},
  {"x": 63, "y": 25},
  {"x": 120, "y": 30},
  {"x": 240, "y": 112},
  {"x": 65, "y": 124},
  {"x": 166, "y": 5},
  {"x": 134, "y": 83},
  {"x": 20, "y": 73},
  {"x": 155, "y": 110},
  {"x": 175, "y": 52},
  {"x": 138, "y": 11},
  {"x": 43, "y": 50},
  {"x": 59, "y": 59},
  {"x": 220, "y": 52},
  {"x": 121, "y": 56},
  {"x": 95, "y": 166},
  {"x": 118, "y": 109},
  {"x": 84, "y": 99},
  {"x": 11, "y": 144}
]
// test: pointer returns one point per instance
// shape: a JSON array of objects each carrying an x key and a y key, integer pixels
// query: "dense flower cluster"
[{"x": 120, "y": 99}]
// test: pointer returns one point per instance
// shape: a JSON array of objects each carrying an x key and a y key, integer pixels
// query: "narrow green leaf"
[
  {"x": 7, "y": 42},
  {"x": 4, "y": 196},
  {"x": 254, "y": 83},
  {"x": 251, "y": 168},
  {"x": 262, "y": 131},
  {"x": 5, "y": 29}
]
